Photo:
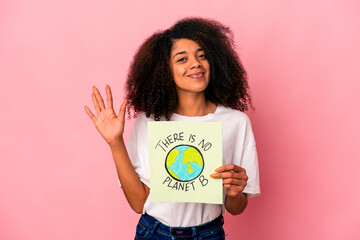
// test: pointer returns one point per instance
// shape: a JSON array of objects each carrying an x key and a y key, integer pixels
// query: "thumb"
[{"x": 123, "y": 110}]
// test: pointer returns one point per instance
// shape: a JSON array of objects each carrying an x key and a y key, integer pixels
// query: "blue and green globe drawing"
[{"x": 184, "y": 163}]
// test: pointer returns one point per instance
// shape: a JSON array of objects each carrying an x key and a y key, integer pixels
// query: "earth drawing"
[{"x": 184, "y": 163}]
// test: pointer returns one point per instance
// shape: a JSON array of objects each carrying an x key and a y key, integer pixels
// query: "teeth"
[{"x": 196, "y": 74}]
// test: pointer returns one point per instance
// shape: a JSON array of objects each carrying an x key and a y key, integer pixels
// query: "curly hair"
[{"x": 150, "y": 87}]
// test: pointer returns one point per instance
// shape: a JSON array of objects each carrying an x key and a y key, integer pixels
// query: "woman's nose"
[{"x": 195, "y": 63}]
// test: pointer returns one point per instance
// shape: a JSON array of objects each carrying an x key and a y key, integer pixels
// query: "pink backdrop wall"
[{"x": 57, "y": 177}]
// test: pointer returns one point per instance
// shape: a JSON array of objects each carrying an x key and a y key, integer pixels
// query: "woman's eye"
[
  {"x": 181, "y": 60},
  {"x": 202, "y": 56}
]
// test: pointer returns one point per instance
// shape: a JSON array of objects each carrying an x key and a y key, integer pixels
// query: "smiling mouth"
[{"x": 197, "y": 75}]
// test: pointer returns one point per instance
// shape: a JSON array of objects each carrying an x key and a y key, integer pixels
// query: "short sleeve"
[
  {"x": 137, "y": 149},
  {"x": 249, "y": 162},
  {"x": 245, "y": 155}
]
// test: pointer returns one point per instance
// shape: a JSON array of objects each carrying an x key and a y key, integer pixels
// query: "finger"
[
  {"x": 123, "y": 110},
  {"x": 230, "y": 167},
  {"x": 99, "y": 98},
  {"x": 226, "y": 175},
  {"x": 232, "y": 175},
  {"x": 234, "y": 181},
  {"x": 231, "y": 193},
  {"x": 96, "y": 104},
  {"x": 89, "y": 113},
  {"x": 234, "y": 188},
  {"x": 109, "y": 99}
]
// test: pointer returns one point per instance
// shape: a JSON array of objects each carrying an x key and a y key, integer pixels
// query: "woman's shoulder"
[
  {"x": 141, "y": 117},
  {"x": 141, "y": 121},
  {"x": 232, "y": 114}
]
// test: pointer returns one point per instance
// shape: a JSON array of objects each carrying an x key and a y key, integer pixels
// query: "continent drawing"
[{"x": 184, "y": 163}]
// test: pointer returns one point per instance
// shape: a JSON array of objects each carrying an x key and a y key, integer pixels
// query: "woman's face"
[{"x": 189, "y": 66}]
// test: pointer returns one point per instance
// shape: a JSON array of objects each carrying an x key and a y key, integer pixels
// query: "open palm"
[{"x": 110, "y": 126}]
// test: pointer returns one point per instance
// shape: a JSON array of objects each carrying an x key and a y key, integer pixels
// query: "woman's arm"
[
  {"x": 135, "y": 191},
  {"x": 111, "y": 128},
  {"x": 234, "y": 181},
  {"x": 236, "y": 205}
]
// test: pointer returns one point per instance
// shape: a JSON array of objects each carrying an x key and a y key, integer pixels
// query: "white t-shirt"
[{"x": 238, "y": 148}]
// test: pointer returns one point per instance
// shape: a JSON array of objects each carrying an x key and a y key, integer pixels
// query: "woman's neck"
[{"x": 194, "y": 105}]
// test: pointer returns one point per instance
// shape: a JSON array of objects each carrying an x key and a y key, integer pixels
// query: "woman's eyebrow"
[
  {"x": 179, "y": 53},
  {"x": 199, "y": 50}
]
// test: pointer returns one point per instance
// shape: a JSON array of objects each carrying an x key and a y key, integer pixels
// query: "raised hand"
[
  {"x": 110, "y": 126},
  {"x": 234, "y": 179}
]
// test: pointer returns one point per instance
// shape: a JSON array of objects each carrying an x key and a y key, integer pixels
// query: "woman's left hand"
[{"x": 234, "y": 179}]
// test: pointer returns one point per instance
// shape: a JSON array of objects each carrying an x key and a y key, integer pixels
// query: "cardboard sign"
[{"x": 182, "y": 155}]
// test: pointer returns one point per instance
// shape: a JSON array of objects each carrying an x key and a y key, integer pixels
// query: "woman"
[{"x": 190, "y": 72}]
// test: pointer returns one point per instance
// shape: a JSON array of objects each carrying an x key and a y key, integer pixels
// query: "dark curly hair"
[{"x": 150, "y": 87}]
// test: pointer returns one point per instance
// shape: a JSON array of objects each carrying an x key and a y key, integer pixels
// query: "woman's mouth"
[{"x": 196, "y": 75}]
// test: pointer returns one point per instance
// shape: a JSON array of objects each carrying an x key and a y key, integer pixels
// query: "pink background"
[{"x": 57, "y": 176}]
